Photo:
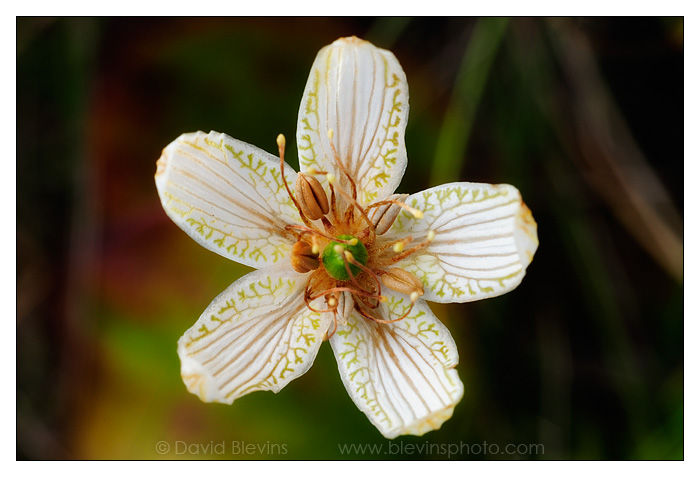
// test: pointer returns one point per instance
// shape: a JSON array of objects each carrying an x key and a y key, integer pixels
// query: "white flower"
[{"x": 342, "y": 257}]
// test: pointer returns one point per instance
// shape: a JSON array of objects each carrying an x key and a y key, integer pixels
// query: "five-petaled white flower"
[{"x": 341, "y": 258}]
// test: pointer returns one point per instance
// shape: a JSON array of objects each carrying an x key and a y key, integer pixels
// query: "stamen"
[
  {"x": 352, "y": 260},
  {"x": 397, "y": 246},
  {"x": 315, "y": 233},
  {"x": 333, "y": 181},
  {"x": 346, "y": 262},
  {"x": 400, "y": 256},
  {"x": 311, "y": 196},
  {"x": 359, "y": 292},
  {"x": 412, "y": 210},
  {"x": 408, "y": 312},
  {"x": 281, "y": 143},
  {"x": 331, "y": 302},
  {"x": 379, "y": 320},
  {"x": 402, "y": 281},
  {"x": 302, "y": 257},
  {"x": 308, "y": 305}
]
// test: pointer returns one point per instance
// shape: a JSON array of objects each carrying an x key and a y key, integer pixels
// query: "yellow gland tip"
[
  {"x": 330, "y": 178},
  {"x": 312, "y": 170},
  {"x": 414, "y": 296},
  {"x": 398, "y": 247},
  {"x": 330, "y": 134},
  {"x": 332, "y": 302},
  {"x": 348, "y": 254},
  {"x": 383, "y": 298},
  {"x": 416, "y": 213},
  {"x": 281, "y": 141},
  {"x": 338, "y": 249},
  {"x": 431, "y": 235},
  {"x": 353, "y": 241}
]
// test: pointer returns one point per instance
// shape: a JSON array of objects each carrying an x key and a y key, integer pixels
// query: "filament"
[
  {"x": 315, "y": 233},
  {"x": 415, "y": 212},
  {"x": 351, "y": 259},
  {"x": 400, "y": 256}
]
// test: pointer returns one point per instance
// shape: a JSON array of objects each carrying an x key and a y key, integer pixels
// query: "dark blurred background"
[{"x": 584, "y": 116}]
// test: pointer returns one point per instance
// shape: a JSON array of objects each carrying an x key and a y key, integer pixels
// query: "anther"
[
  {"x": 311, "y": 196},
  {"x": 302, "y": 257},
  {"x": 403, "y": 282},
  {"x": 386, "y": 211},
  {"x": 346, "y": 304}
]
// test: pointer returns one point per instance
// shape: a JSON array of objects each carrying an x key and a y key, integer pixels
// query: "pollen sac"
[
  {"x": 311, "y": 197},
  {"x": 383, "y": 217},
  {"x": 402, "y": 281},
  {"x": 346, "y": 305},
  {"x": 303, "y": 258}
]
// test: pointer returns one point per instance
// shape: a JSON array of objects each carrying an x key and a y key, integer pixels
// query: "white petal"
[
  {"x": 400, "y": 374},
  {"x": 228, "y": 196},
  {"x": 485, "y": 237},
  {"x": 360, "y": 92},
  {"x": 256, "y": 335}
]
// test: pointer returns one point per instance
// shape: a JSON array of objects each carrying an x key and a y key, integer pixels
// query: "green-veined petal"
[
  {"x": 485, "y": 237},
  {"x": 256, "y": 335},
  {"x": 400, "y": 374},
  {"x": 360, "y": 92},
  {"x": 228, "y": 196}
]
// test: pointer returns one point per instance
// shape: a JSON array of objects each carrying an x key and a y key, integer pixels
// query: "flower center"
[
  {"x": 338, "y": 263},
  {"x": 358, "y": 261}
]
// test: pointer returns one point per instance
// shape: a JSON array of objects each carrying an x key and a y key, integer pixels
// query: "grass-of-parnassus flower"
[{"x": 339, "y": 255}]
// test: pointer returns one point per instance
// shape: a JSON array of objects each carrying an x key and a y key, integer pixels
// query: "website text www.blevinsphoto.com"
[{"x": 446, "y": 450}]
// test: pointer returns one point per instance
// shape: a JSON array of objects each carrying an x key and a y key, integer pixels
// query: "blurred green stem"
[{"x": 468, "y": 89}]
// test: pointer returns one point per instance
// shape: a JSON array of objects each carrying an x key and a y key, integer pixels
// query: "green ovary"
[{"x": 333, "y": 260}]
